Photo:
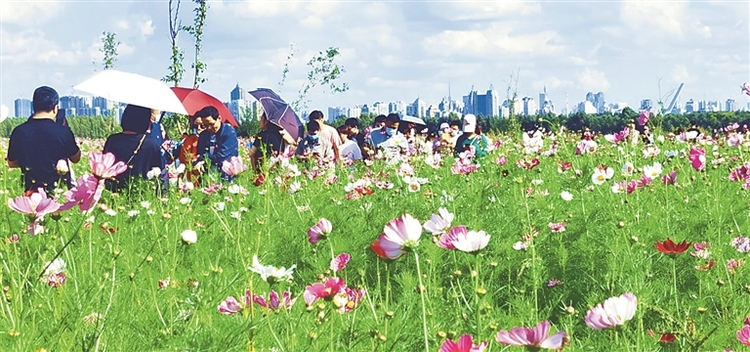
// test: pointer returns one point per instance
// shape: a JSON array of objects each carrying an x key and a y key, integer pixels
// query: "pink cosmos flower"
[
  {"x": 469, "y": 241},
  {"x": 319, "y": 230},
  {"x": 527, "y": 164},
  {"x": 745, "y": 89},
  {"x": 439, "y": 223},
  {"x": 231, "y": 306},
  {"x": 701, "y": 250},
  {"x": 105, "y": 166},
  {"x": 56, "y": 280},
  {"x": 339, "y": 263},
  {"x": 501, "y": 160},
  {"x": 274, "y": 302},
  {"x": 698, "y": 158},
  {"x": 533, "y": 338},
  {"x": 85, "y": 194},
  {"x": 557, "y": 227},
  {"x": 465, "y": 343},
  {"x": 324, "y": 290},
  {"x": 446, "y": 239},
  {"x": 348, "y": 299},
  {"x": 14, "y": 238},
  {"x": 670, "y": 179},
  {"x": 744, "y": 334},
  {"x": 733, "y": 264},
  {"x": 644, "y": 117},
  {"x": 233, "y": 166},
  {"x": 34, "y": 206},
  {"x": 399, "y": 234},
  {"x": 614, "y": 311}
]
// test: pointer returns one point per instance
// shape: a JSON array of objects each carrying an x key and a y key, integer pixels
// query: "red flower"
[
  {"x": 671, "y": 248},
  {"x": 667, "y": 338}
]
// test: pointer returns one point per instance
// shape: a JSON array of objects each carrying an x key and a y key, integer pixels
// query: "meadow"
[{"x": 571, "y": 224}]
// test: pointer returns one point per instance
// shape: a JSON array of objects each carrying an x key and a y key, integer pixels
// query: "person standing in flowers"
[
  {"x": 350, "y": 151},
  {"x": 188, "y": 148},
  {"x": 216, "y": 144},
  {"x": 328, "y": 136},
  {"x": 134, "y": 147},
  {"x": 268, "y": 142},
  {"x": 41, "y": 146},
  {"x": 472, "y": 138},
  {"x": 388, "y": 134},
  {"x": 309, "y": 146}
]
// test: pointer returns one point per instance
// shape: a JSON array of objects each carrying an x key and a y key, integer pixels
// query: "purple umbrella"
[{"x": 278, "y": 111}]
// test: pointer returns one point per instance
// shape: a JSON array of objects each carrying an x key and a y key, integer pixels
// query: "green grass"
[{"x": 607, "y": 249}]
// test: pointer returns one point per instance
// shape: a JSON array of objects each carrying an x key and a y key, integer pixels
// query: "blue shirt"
[
  {"x": 218, "y": 147},
  {"x": 36, "y": 145}
]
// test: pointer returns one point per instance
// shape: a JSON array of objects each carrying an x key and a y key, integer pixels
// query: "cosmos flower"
[
  {"x": 234, "y": 166},
  {"x": 105, "y": 166},
  {"x": 670, "y": 248},
  {"x": 439, "y": 223},
  {"x": 465, "y": 343},
  {"x": 398, "y": 235},
  {"x": 271, "y": 273},
  {"x": 533, "y": 338},
  {"x": 319, "y": 230},
  {"x": 614, "y": 311}
]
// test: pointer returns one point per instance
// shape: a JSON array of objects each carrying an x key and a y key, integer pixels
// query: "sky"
[{"x": 396, "y": 50}]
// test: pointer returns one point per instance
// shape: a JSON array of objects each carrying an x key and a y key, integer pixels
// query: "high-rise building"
[
  {"x": 529, "y": 106},
  {"x": 380, "y": 108},
  {"x": 418, "y": 108},
  {"x": 336, "y": 112},
  {"x": 23, "y": 107},
  {"x": 731, "y": 105},
  {"x": 646, "y": 104},
  {"x": 482, "y": 104},
  {"x": 237, "y": 93},
  {"x": 689, "y": 106},
  {"x": 397, "y": 107},
  {"x": 354, "y": 111},
  {"x": 545, "y": 103}
]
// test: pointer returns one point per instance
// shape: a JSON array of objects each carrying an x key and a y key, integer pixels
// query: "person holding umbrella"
[
  {"x": 268, "y": 142},
  {"x": 217, "y": 143}
]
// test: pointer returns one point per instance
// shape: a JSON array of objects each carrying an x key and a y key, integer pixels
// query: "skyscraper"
[
  {"x": 237, "y": 93},
  {"x": 23, "y": 107}
]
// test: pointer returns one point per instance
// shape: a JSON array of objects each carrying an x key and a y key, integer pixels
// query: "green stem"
[
  {"x": 477, "y": 299},
  {"x": 674, "y": 285},
  {"x": 422, "y": 290}
]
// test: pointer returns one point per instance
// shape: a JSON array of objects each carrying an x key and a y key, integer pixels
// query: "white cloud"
[
  {"x": 381, "y": 36},
  {"x": 701, "y": 29},
  {"x": 123, "y": 24},
  {"x": 495, "y": 40},
  {"x": 146, "y": 27},
  {"x": 579, "y": 61},
  {"x": 28, "y": 13},
  {"x": 653, "y": 17},
  {"x": 593, "y": 80},
  {"x": 474, "y": 10},
  {"x": 680, "y": 74},
  {"x": 551, "y": 82}
]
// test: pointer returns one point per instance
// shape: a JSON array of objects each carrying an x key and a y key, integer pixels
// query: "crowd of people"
[{"x": 44, "y": 147}]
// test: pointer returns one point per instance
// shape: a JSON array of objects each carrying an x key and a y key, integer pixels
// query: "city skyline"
[{"x": 630, "y": 50}]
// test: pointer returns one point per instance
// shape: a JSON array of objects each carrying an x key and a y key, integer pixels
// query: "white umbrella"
[
  {"x": 413, "y": 119},
  {"x": 131, "y": 88}
]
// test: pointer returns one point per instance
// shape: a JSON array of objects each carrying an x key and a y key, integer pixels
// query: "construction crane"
[{"x": 676, "y": 96}]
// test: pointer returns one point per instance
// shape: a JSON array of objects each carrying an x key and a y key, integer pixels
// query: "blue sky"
[{"x": 397, "y": 50}]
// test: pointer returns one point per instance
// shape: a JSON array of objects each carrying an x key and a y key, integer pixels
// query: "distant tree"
[
  {"x": 324, "y": 71},
  {"x": 109, "y": 48},
  {"x": 175, "y": 69},
  {"x": 196, "y": 30}
]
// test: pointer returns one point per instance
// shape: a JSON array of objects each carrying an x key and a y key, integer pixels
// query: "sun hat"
[{"x": 470, "y": 123}]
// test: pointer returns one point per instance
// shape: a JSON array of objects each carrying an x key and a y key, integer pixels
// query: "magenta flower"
[
  {"x": 34, "y": 206},
  {"x": 465, "y": 343},
  {"x": 733, "y": 264},
  {"x": 446, "y": 239},
  {"x": 701, "y": 250},
  {"x": 274, "y": 302},
  {"x": 105, "y": 166},
  {"x": 615, "y": 311},
  {"x": 324, "y": 290},
  {"x": 348, "y": 299},
  {"x": 231, "y": 306},
  {"x": 319, "y": 230},
  {"x": 557, "y": 227},
  {"x": 644, "y": 117},
  {"x": 744, "y": 335},
  {"x": 399, "y": 234},
  {"x": 501, "y": 160},
  {"x": 233, "y": 166},
  {"x": 56, "y": 280},
  {"x": 698, "y": 158},
  {"x": 469, "y": 241},
  {"x": 533, "y": 338},
  {"x": 85, "y": 194},
  {"x": 339, "y": 263},
  {"x": 14, "y": 238},
  {"x": 439, "y": 223},
  {"x": 670, "y": 178}
]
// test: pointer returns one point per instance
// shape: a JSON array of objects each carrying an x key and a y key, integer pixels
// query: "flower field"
[{"x": 550, "y": 242}]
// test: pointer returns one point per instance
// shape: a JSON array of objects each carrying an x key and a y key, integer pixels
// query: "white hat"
[
  {"x": 470, "y": 123},
  {"x": 444, "y": 125}
]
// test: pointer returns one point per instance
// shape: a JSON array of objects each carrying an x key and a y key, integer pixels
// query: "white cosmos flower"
[
  {"x": 439, "y": 223},
  {"x": 470, "y": 241},
  {"x": 652, "y": 171},
  {"x": 602, "y": 174},
  {"x": 189, "y": 236},
  {"x": 110, "y": 212},
  {"x": 184, "y": 200},
  {"x": 54, "y": 267},
  {"x": 271, "y": 272},
  {"x": 628, "y": 168},
  {"x": 145, "y": 204},
  {"x": 566, "y": 196}
]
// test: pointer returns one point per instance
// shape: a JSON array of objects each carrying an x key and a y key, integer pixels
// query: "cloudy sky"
[{"x": 397, "y": 50}]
